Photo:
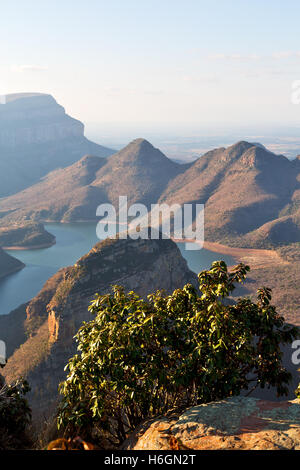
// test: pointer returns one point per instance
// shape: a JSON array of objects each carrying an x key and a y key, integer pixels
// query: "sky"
[{"x": 168, "y": 62}]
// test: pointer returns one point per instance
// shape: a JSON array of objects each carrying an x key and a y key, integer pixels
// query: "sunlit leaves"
[{"x": 138, "y": 358}]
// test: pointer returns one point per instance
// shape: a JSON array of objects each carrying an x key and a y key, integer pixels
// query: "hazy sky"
[{"x": 165, "y": 61}]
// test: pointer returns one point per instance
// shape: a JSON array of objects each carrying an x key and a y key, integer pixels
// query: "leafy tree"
[
  {"x": 15, "y": 415},
  {"x": 141, "y": 358}
]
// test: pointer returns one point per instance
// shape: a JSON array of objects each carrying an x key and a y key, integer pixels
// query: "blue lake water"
[{"x": 72, "y": 242}]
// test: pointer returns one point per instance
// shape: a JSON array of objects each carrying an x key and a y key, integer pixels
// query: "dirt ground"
[{"x": 257, "y": 259}]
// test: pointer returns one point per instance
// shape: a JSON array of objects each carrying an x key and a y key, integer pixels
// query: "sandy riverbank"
[
  {"x": 26, "y": 248},
  {"x": 255, "y": 258}
]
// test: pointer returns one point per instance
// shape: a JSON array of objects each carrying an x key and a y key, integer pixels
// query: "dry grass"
[{"x": 28, "y": 355}]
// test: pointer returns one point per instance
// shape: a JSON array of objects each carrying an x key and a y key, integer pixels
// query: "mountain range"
[
  {"x": 251, "y": 195},
  {"x": 37, "y": 136},
  {"x": 139, "y": 171}
]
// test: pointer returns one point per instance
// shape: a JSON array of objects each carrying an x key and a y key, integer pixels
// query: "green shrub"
[{"x": 138, "y": 359}]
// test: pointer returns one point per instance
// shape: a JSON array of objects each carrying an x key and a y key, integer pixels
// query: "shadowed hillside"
[{"x": 8, "y": 264}]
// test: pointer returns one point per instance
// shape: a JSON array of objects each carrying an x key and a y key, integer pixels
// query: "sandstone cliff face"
[
  {"x": 36, "y": 137},
  {"x": 35, "y": 118},
  {"x": 232, "y": 424},
  {"x": 55, "y": 315}
]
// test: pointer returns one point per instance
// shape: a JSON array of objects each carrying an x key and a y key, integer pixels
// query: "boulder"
[{"x": 237, "y": 423}]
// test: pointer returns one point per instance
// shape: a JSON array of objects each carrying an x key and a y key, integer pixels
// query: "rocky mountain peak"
[
  {"x": 140, "y": 143},
  {"x": 141, "y": 151},
  {"x": 258, "y": 156},
  {"x": 235, "y": 151}
]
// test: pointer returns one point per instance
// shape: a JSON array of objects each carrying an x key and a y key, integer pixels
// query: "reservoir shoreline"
[
  {"x": 75, "y": 240},
  {"x": 28, "y": 248},
  {"x": 255, "y": 257}
]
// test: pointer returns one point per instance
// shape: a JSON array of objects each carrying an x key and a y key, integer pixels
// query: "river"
[{"x": 72, "y": 242}]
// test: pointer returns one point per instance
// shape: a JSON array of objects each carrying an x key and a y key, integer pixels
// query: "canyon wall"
[
  {"x": 36, "y": 137},
  {"x": 55, "y": 314}
]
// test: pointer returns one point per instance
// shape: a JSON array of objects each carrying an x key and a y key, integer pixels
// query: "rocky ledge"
[{"x": 236, "y": 423}]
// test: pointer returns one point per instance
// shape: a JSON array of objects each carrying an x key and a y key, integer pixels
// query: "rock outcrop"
[
  {"x": 36, "y": 137},
  {"x": 54, "y": 315},
  {"x": 233, "y": 424},
  {"x": 33, "y": 118}
]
